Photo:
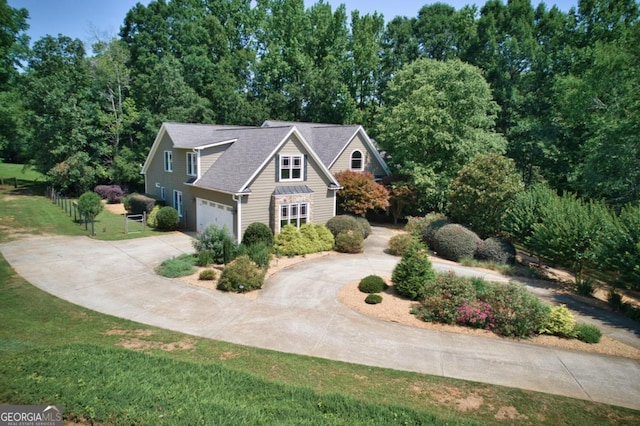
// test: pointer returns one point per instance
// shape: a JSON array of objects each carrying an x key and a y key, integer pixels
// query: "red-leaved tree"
[{"x": 360, "y": 193}]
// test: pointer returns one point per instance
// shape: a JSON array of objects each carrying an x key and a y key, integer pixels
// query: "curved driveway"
[{"x": 298, "y": 312}]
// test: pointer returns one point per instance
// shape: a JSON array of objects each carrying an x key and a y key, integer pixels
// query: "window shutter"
[
  {"x": 304, "y": 167},
  {"x": 277, "y": 168}
]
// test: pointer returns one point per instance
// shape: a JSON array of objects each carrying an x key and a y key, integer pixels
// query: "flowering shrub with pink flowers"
[{"x": 475, "y": 314}]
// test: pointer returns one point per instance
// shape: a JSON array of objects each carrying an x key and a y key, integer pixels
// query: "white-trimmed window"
[
  {"x": 296, "y": 214},
  {"x": 162, "y": 193},
  {"x": 192, "y": 164},
  {"x": 177, "y": 201},
  {"x": 291, "y": 167},
  {"x": 168, "y": 161},
  {"x": 357, "y": 162}
]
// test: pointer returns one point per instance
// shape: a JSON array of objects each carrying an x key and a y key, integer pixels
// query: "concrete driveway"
[{"x": 298, "y": 312}]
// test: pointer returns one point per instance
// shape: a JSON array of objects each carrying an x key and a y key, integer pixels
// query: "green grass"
[
  {"x": 180, "y": 266},
  {"x": 501, "y": 268}
]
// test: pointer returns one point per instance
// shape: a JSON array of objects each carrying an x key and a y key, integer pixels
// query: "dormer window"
[
  {"x": 291, "y": 167},
  {"x": 356, "y": 161}
]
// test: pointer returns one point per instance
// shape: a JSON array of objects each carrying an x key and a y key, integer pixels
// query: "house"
[{"x": 278, "y": 173}]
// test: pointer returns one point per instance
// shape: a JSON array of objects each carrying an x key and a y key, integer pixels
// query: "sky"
[{"x": 90, "y": 20}]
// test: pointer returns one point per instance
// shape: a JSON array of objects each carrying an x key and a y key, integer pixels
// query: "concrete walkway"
[{"x": 298, "y": 312}]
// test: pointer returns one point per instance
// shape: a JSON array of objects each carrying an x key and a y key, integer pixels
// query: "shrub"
[
  {"x": 417, "y": 225},
  {"x": 373, "y": 299},
  {"x": 241, "y": 275},
  {"x": 372, "y": 284},
  {"x": 587, "y": 333},
  {"x": 180, "y": 266},
  {"x": 430, "y": 230},
  {"x": 517, "y": 313},
  {"x": 585, "y": 287},
  {"x": 350, "y": 242},
  {"x": 412, "y": 274},
  {"x": 205, "y": 258},
  {"x": 138, "y": 203},
  {"x": 257, "y": 232},
  {"x": 213, "y": 240},
  {"x": 365, "y": 227},
  {"x": 326, "y": 241},
  {"x": 444, "y": 296},
  {"x": 632, "y": 312},
  {"x": 615, "y": 300},
  {"x": 112, "y": 193},
  {"x": 560, "y": 322},
  {"x": 207, "y": 275},
  {"x": 475, "y": 314},
  {"x": 290, "y": 242},
  {"x": 151, "y": 217},
  {"x": 454, "y": 242},
  {"x": 399, "y": 243},
  {"x": 259, "y": 252},
  {"x": 341, "y": 223},
  {"x": 167, "y": 219},
  {"x": 90, "y": 204},
  {"x": 311, "y": 238},
  {"x": 496, "y": 250}
]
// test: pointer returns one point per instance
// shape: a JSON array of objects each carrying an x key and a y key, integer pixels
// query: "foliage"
[
  {"x": 73, "y": 175},
  {"x": 475, "y": 314},
  {"x": 259, "y": 252},
  {"x": 481, "y": 192},
  {"x": 207, "y": 275},
  {"x": 498, "y": 250},
  {"x": 151, "y": 217},
  {"x": 429, "y": 231},
  {"x": 615, "y": 300},
  {"x": 241, "y": 275},
  {"x": 257, "y": 232},
  {"x": 138, "y": 203},
  {"x": 587, "y": 333},
  {"x": 372, "y": 284},
  {"x": 414, "y": 272},
  {"x": 213, "y": 240},
  {"x": 343, "y": 222},
  {"x": 205, "y": 258},
  {"x": 317, "y": 237},
  {"x": 167, "y": 218},
  {"x": 517, "y": 313},
  {"x": 560, "y": 322},
  {"x": 436, "y": 118},
  {"x": 401, "y": 195},
  {"x": 373, "y": 299},
  {"x": 621, "y": 250},
  {"x": 526, "y": 211},
  {"x": 586, "y": 287},
  {"x": 365, "y": 227},
  {"x": 90, "y": 204},
  {"x": 350, "y": 242},
  {"x": 399, "y": 243},
  {"x": 455, "y": 242},
  {"x": 360, "y": 192},
  {"x": 444, "y": 296},
  {"x": 180, "y": 266},
  {"x": 502, "y": 268},
  {"x": 417, "y": 225},
  {"x": 112, "y": 193},
  {"x": 310, "y": 238}
]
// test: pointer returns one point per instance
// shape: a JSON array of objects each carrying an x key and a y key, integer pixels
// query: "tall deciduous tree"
[{"x": 438, "y": 116}]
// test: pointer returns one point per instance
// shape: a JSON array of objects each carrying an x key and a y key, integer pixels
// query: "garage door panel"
[{"x": 212, "y": 213}]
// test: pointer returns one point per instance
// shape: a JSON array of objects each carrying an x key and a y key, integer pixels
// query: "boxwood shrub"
[
  {"x": 341, "y": 223},
  {"x": 373, "y": 299},
  {"x": 497, "y": 250},
  {"x": 350, "y": 242},
  {"x": 138, "y": 203},
  {"x": 241, "y": 275},
  {"x": 587, "y": 333},
  {"x": 257, "y": 232},
  {"x": 372, "y": 284},
  {"x": 167, "y": 219},
  {"x": 454, "y": 242},
  {"x": 429, "y": 230}
]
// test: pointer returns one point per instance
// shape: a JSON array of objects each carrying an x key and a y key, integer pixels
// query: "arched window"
[{"x": 356, "y": 160}]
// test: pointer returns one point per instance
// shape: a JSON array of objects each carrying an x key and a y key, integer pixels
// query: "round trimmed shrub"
[
  {"x": 257, "y": 232},
  {"x": 343, "y": 222},
  {"x": 496, "y": 250},
  {"x": 138, "y": 203},
  {"x": 350, "y": 242},
  {"x": 167, "y": 219},
  {"x": 207, "y": 275},
  {"x": 372, "y": 284},
  {"x": 399, "y": 243},
  {"x": 454, "y": 242},
  {"x": 417, "y": 225},
  {"x": 560, "y": 322},
  {"x": 373, "y": 299},
  {"x": 429, "y": 230},
  {"x": 241, "y": 275},
  {"x": 365, "y": 227},
  {"x": 414, "y": 272},
  {"x": 587, "y": 333}
]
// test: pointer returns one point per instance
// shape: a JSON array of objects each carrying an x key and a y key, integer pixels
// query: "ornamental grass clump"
[{"x": 475, "y": 314}]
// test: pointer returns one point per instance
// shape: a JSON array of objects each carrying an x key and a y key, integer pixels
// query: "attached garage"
[{"x": 212, "y": 213}]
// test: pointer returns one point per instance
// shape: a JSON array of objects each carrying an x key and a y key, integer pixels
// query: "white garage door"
[{"x": 211, "y": 213}]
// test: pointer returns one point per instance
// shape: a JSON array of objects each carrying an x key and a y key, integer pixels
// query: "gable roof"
[{"x": 330, "y": 140}]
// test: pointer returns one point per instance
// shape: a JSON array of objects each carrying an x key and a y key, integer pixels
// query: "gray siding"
[
  {"x": 209, "y": 156},
  {"x": 371, "y": 163}
]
